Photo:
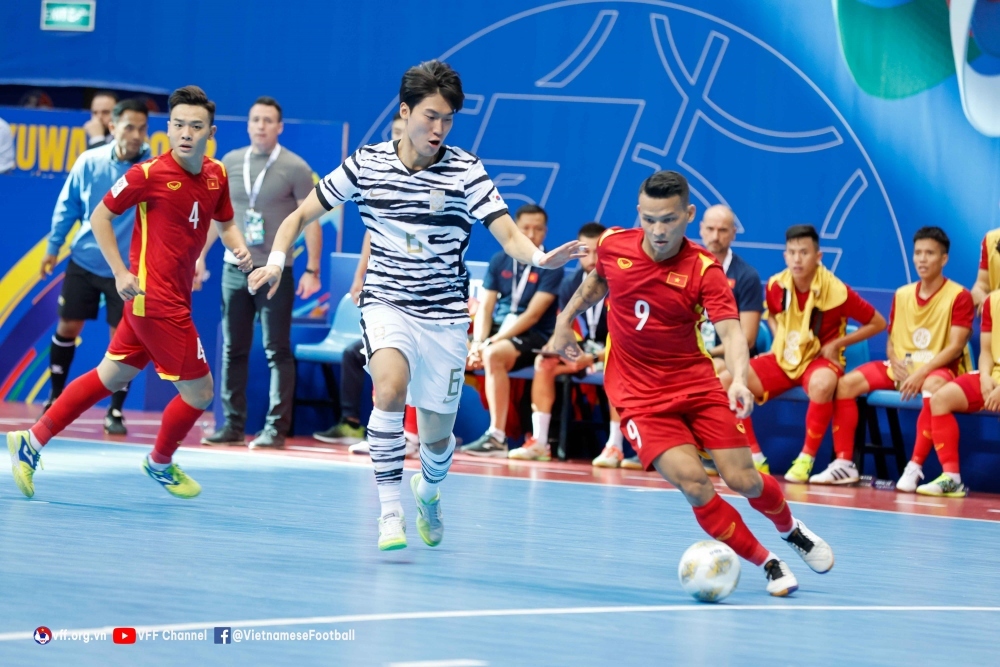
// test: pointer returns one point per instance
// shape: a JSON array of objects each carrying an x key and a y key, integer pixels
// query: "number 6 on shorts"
[{"x": 633, "y": 433}]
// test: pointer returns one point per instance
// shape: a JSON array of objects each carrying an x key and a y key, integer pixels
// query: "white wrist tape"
[
  {"x": 277, "y": 259},
  {"x": 537, "y": 258}
]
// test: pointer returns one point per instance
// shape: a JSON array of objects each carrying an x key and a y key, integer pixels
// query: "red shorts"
[
  {"x": 774, "y": 380},
  {"x": 172, "y": 345},
  {"x": 877, "y": 375},
  {"x": 969, "y": 382},
  {"x": 703, "y": 420}
]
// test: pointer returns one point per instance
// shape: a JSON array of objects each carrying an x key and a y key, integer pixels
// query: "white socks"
[
  {"x": 615, "y": 435},
  {"x": 388, "y": 450},
  {"x": 540, "y": 425},
  {"x": 433, "y": 469}
]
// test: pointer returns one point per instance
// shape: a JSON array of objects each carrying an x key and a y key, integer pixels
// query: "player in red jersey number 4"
[
  {"x": 658, "y": 286},
  {"x": 176, "y": 196}
]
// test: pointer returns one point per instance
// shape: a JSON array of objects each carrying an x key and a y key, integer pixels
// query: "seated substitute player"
[
  {"x": 971, "y": 392},
  {"x": 88, "y": 275},
  {"x": 419, "y": 199},
  {"x": 659, "y": 286},
  {"x": 809, "y": 308},
  {"x": 929, "y": 325},
  {"x": 547, "y": 368},
  {"x": 516, "y": 314},
  {"x": 177, "y": 195}
]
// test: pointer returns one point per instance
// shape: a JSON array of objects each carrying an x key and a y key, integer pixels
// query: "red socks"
[
  {"x": 945, "y": 429},
  {"x": 178, "y": 419},
  {"x": 410, "y": 420},
  {"x": 82, "y": 393},
  {"x": 845, "y": 423},
  {"x": 922, "y": 445},
  {"x": 771, "y": 503},
  {"x": 721, "y": 520},
  {"x": 818, "y": 416},
  {"x": 747, "y": 425}
]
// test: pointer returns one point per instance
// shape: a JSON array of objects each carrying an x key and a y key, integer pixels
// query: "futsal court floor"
[{"x": 542, "y": 564}]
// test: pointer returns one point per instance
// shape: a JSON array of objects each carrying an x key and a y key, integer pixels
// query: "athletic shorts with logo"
[{"x": 436, "y": 354}]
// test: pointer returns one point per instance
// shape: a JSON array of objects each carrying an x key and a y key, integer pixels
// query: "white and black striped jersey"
[{"x": 420, "y": 224}]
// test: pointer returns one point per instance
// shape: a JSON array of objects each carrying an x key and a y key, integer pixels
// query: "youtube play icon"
[{"x": 123, "y": 635}]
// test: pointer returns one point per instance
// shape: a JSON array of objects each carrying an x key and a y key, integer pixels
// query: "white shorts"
[{"x": 436, "y": 354}]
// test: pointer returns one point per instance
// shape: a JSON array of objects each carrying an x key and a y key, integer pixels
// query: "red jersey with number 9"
[
  {"x": 173, "y": 211},
  {"x": 655, "y": 309}
]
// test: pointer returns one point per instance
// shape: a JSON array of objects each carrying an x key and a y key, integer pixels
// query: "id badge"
[
  {"x": 508, "y": 322},
  {"x": 253, "y": 228}
]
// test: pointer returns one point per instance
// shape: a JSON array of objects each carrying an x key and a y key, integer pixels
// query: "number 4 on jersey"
[{"x": 193, "y": 218}]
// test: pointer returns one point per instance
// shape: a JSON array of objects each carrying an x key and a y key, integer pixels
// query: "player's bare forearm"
[
  {"x": 985, "y": 354},
  {"x": 737, "y": 353},
  {"x": 588, "y": 294},
  {"x": 484, "y": 317},
  {"x": 366, "y": 253},
  {"x": 230, "y": 234},
  {"x": 750, "y": 323},
  {"x": 104, "y": 234},
  {"x": 513, "y": 242},
  {"x": 982, "y": 287},
  {"x": 957, "y": 338},
  {"x": 314, "y": 245},
  {"x": 875, "y": 326},
  {"x": 292, "y": 226},
  {"x": 530, "y": 317}
]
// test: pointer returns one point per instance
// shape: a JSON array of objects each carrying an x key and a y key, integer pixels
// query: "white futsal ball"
[{"x": 709, "y": 571}]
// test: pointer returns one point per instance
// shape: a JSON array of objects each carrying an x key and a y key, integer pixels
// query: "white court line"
[
  {"x": 993, "y": 511},
  {"x": 461, "y": 662},
  {"x": 907, "y": 501},
  {"x": 360, "y": 464},
  {"x": 829, "y": 493},
  {"x": 303, "y": 448},
  {"x": 495, "y": 613}
]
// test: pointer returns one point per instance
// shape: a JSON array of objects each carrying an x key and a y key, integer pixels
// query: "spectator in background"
[
  {"x": 266, "y": 182},
  {"x": 6, "y": 148},
  {"x": 36, "y": 99},
  {"x": 352, "y": 366},
  {"x": 505, "y": 337},
  {"x": 718, "y": 230},
  {"x": 98, "y": 128},
  {"x": 88, "y": 275}
]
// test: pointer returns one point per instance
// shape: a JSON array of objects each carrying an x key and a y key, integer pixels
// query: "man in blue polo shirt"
[
  {"x": 522, "y": 302},
  {"x": 87, "y": 274},
  {"x": 718, "y": 230}
]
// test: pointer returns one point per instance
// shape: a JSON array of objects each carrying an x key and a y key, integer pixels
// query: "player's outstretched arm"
[
  {"x": 290, "y": 228},
  {"x": 233, "y": 239},
  {"x": 563, "y": 340},
  {"x": 100, "y": 223},
  {"x": 737, "y": 354},
  {"x": 518, "y": 246},
  {"x": 874, "y": 326}
]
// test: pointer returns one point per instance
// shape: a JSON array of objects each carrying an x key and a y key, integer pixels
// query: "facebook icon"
[{"x": 222, "y": 636}]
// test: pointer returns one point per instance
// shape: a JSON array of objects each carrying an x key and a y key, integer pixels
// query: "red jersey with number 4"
[
  {"x": 173, "y": 211},
  {"x": 655, "y": 309}
]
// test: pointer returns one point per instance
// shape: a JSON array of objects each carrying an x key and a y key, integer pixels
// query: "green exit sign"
[{"x": 76, "y": 16}]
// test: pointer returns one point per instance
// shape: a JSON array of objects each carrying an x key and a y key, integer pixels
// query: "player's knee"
[
  {"x": 390, "y": 397},
  {"x": 747, "y": 482},
  {"x": 697, "y": 490},
  {"x": 941, "y": 401},
  {"x": 933, "y": 384},
  {"x": 822, "y": 387}
]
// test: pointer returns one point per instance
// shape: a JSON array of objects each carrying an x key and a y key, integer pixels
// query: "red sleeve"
[
  {"x": 987, "y": 324},
  {"x": 775, "y": 293},
  {"x": 602, "y": 250},
  {"x": 716, "y": 295},
  {"x": 963, "y": 311},
  {"x": 857, "y": 308},
  {"x": 892, "y": 314},
  {"x": 224, "y": 207},
  {"x": 127, "y": 191},
  {"x": 984, "y": 262}
]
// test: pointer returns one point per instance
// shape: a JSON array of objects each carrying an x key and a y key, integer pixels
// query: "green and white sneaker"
[
  {"x": 24, "y": 460},
  {"x": 391, "y": 532},
  {"x": 429, "y": 523},
  {"x": 801, "y": 467},
  {"x": 487, "y": 446},
  {"x": 944, "y": 486}
]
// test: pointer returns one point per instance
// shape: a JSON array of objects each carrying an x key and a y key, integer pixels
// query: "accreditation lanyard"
[
  {"x": 517, "y": 287},
  {"x": 253, "y": 192},
  {"x": 593, "y": 315}
]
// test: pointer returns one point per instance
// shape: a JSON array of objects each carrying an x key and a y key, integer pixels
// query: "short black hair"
[
  {"x": 802, "y": 232},
  {"x": 104, "y": 93},
  {"x": 935, "y": 234},
  {"x": 194, "y": 96},
  {"x": 130, "y": 104},
  {"x": 666, "y": 184},
  {"x": 590, "y": 230},
  {"x": 269, "y": 102},
  {"x": 532, "y": 208},
  {"x": 428, "y": 78}
]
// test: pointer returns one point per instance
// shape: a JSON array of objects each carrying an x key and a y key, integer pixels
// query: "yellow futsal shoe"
[
  {"x": 173, "y": 479},
  {"x": 801, "y": 467},
  {"x": 429, "y": 523},
  {"x": 391, "y": 532},
  {"x": 762, "y": 467},
  {"x": 24, "y": 459}
]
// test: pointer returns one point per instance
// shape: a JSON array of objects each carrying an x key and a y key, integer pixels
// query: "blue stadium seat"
[
  {"x": 346, "y": 331},
  {"x": 764, "y": 338}
]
